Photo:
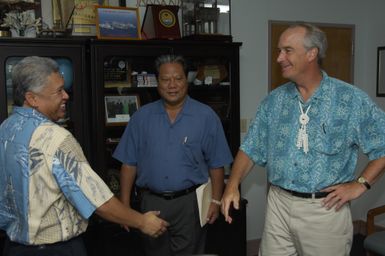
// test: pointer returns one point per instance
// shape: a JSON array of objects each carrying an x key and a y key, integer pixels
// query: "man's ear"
[
  {"x": 312, "y": 54},
  {"x": 30, "y": 99}
]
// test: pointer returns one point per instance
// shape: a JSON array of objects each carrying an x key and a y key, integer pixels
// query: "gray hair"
[
  {"x": 170, "y": 58},
  {"x": 30, "y": 74},
  {"x": 314, "y": 38}
]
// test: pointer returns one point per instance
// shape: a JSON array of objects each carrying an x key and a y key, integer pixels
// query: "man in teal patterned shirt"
[{"x": 307, "y": 134}]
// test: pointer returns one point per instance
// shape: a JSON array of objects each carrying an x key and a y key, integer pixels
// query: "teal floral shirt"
[{"x": 342, "y": 119}]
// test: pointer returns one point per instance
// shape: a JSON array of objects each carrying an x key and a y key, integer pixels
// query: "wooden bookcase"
[
  {"x": 115, "y": 68},
  {"x": 73, "y": 50},
  {"x": 115, "y": 63}
]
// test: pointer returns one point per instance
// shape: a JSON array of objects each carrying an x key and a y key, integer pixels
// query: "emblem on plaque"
[{"x": 167, "y": 18}]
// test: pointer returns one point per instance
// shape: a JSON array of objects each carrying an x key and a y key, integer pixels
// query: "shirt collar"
[
  {"x": 321, "y": 92},
  {"x": 186, "y": 109},
  {"x": 29, "y": 112}
]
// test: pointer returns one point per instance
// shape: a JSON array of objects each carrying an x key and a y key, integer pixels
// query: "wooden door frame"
[{"x": 270, "y": 47}]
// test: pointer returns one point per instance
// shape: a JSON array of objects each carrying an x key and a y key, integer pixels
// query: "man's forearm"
[
  {"x": 241, "y": 166},
  {"x": 113, "y": 210},
  {"x": 127, "y": 179},
  {"x": 217, "y": 181},
  {"x": 374, "y": 170}
]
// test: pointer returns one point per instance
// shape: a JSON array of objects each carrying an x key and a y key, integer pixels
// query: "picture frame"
[
  {"x": 117, "y": 23},
  {"x": 83, "y": 18},
  {"x": 117, "y": 72},
  {"x": 120, "y": 108},
  {"x": 380, "y": 92}
]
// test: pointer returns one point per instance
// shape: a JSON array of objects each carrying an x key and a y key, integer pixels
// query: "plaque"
[
  {"x": 211, "y": 74},
  {"x": 117, "y": 73},
  {"x": 161, "y": 22}
]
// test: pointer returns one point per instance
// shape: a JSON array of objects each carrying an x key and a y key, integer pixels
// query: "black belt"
[
  {"x": 306, "y": 195},
  {"x": 75, "y": 239},
  {"x": 168, "y": 195}
]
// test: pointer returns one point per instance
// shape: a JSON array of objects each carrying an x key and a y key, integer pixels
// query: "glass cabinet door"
[
  {"x": 65, "y": 69},
  {"x": 9, "y": 64},
  {"x": 70, "y": 56}
]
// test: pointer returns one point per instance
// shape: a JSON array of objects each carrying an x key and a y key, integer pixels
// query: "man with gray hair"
[
  {"x": 48, "y": 189},
  {"x": 307, "y": 134}
]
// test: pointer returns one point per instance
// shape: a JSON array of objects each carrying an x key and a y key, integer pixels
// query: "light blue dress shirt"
[{"x": 342, "y": 120}]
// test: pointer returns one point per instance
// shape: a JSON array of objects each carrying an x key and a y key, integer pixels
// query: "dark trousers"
[
  {"x": 72, "y": 247},
  {"x": 184, "y": 236}
]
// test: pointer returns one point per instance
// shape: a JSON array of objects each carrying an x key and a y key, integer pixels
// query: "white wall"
[{"x": 250, "y": 26}]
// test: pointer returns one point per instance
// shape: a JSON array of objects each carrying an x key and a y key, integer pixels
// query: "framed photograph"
[
  {"x": 119, "y": 109},
  {"x": 83, "y": 18},
  {"x": 117, "y": 23},
  {"x": 381, "y": 71}
]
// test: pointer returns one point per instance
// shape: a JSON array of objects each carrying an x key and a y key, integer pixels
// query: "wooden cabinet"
[
  {"x": 125, "y": 70},
  {"x": 122, "y": 70},
  {"x": 104, "y": 71},
  {"x": 67, "y": 52}
]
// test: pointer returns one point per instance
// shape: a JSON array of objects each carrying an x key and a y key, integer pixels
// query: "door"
[{"x": 339, "y": 55}]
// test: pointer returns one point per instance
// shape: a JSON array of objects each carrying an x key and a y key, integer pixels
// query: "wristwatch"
[{"x": 364, "y": 182}]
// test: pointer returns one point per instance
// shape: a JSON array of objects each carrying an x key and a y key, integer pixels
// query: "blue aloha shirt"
[{"x": 343, "y": 119}]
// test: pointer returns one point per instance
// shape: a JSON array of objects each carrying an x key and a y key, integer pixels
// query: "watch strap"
[{"x": 364, "y": 182}]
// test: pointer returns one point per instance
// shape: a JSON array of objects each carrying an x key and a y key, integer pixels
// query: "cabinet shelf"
[{"x": 115, "y": 62}]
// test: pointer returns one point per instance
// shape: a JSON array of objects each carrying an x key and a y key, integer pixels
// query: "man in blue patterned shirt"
[
  {"x": 307, "y": 134},
  {"x": 48, "y": 189}
]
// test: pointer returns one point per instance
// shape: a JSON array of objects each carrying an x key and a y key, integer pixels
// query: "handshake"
[
  {"x": 148, "y": 223},
  {"x": 151, "y": 224}
]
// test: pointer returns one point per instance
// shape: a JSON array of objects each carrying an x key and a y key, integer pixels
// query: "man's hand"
[
  {"x": 341, "y": 194},
  {"x": 152, "y": 225},
  {"x": 231, "y": 196},
  {"x": 213, "y": 213}
]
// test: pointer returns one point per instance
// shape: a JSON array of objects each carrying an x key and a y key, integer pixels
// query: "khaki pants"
[{"x": 299, "y": 226}]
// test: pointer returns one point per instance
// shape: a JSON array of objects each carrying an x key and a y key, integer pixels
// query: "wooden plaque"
[{"x": 161, "y": 22}]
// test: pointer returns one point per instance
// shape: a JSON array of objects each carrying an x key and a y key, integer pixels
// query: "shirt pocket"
[
  {"x": 192, "y": 153},
  {"x": 330, "y": 139}
]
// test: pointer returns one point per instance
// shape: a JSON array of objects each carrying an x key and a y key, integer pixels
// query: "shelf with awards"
[{"x": 121, "y": 69}]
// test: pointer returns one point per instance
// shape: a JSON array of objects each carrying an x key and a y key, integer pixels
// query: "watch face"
[{"x": 364, "y": 182}]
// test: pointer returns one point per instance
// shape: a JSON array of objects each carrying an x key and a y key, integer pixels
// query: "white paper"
[{"x": 204, "y": 195}]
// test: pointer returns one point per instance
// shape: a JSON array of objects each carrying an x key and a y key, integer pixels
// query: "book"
[{"x": 204, "y": 196}]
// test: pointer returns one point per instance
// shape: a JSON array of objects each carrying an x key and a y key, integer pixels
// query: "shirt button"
[
  {"x": 295, "y": 164},
  {"x": 166, "y": 177}
]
